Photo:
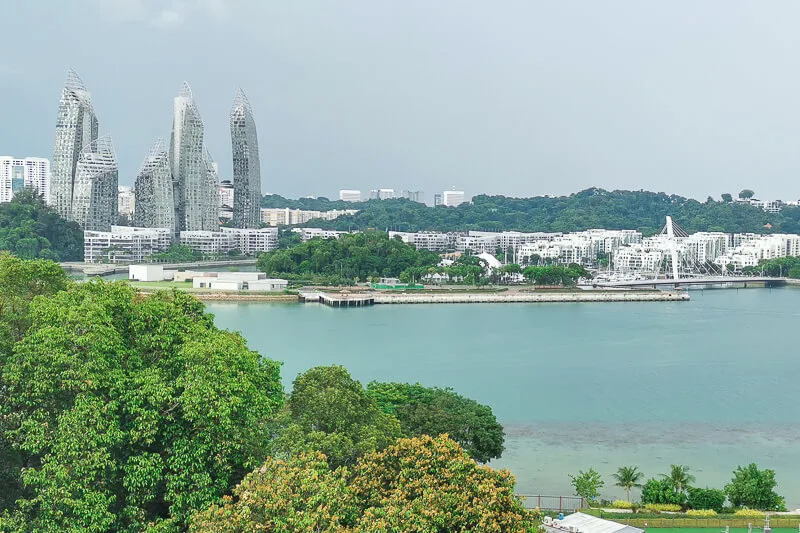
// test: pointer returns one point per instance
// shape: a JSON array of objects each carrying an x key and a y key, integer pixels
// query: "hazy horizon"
[{"x": 514, "y": 98}]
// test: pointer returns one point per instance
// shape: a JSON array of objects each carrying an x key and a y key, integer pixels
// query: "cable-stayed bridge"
[{"x": 682, "y": 271}]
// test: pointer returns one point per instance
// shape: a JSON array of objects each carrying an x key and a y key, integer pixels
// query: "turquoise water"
[{"x": 711, "y": 383}]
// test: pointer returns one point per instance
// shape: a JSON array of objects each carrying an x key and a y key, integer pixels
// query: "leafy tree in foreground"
[
  {"x": 20, "y": 282},
  {"x": 755, "y": 489},
  {"x": 713, "y": 499},
  {"x": 628, "y": 477},
  {"x": 329, "y": 411},
  {"x": 661, "y": 491},
  {"x": 587, "y": 484},
  {"x": 679, "y": 477},
  {"x": 421, "y": 484},
  {"x": 433, "y": 411},
  {"x": 131, "y": 411}
]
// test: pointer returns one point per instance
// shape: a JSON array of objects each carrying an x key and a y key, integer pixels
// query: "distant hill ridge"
[{"x": 591, "y": 208}]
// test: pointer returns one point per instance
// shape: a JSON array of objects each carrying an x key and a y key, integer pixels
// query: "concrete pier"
[{"x": 534, "y": 297}]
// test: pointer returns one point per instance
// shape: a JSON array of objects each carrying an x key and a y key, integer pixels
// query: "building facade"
[
  {"x": 126, "y": 200},
  {"x": 246, "y": 165},
  {"x": 155, "y": 207},
  {"x": 248, "y": 241},
  {"x": 76, "y": 128},
  {"x": 381, "y": 194},
  {"x": 347, "y": 195},
  {"x": 453, "y": 198},
  {"x": 123, "y": 244},
  {"x": 290, "y": 217},
  {"x": 189, "y": 165},
  {"x": 95, "y": 192},
  {"x": 31, "y": 173}
]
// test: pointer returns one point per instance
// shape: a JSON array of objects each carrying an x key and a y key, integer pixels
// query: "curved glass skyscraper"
[
  {"x": 155, "y": 207},
  {"x": 188, "y": 162},
  {"x": 246, "y": 165},
  {"x": 76, "y": 128},
  {"x": 211, "y": 192},
  {"x": 94, "y": 194}
]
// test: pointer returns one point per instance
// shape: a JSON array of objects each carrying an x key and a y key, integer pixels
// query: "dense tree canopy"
[
  {"x": 755, "y": 489},
  {"x": 433, "y": 411},
  {"x": 359, "y": 256},
  {"x": 421, "y": 484},
  {"x": 20, "y": 283},
  {"x": 329, "y": 411},
  {"x": 32, "y": 230},
  {"x": 592, "y": 208},
  {"x": 661, "y": 491},
  {"x": 130, "y": 411}
]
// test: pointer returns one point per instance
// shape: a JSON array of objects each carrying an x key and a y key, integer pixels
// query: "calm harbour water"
[{"x": 711, "y": 383}]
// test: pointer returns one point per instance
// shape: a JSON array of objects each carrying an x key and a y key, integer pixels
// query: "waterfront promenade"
[{"x": 366, "y": 298}]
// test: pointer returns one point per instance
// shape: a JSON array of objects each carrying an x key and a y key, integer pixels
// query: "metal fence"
[{"x": 552, "y": 503}]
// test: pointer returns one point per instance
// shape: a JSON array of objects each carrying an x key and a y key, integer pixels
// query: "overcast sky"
[{"x": 520, "y": 98}]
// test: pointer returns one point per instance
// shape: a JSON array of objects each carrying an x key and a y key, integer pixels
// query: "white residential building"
[
  {"x": 453, "y": 198},
  {"x": 381, "y": 194},
  {"x": 126, "y": 201},
  {"x": 348, "y": 195},
  {"x": 249, "y": 241},
  {"x": 29, "y": 173},
  {"x": 291, "y": 217},
  {"x": 124, "y": 244},
  {"x": 312, "y": 233},
  {"x": 427, "y": 240}
]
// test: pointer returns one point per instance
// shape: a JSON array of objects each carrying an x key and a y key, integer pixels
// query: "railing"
[{"x": 552, "y": 503}]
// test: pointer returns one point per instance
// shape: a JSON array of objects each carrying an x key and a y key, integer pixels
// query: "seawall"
[{"x": 533, "y": 297}]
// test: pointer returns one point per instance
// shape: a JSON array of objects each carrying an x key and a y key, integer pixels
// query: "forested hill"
[
  {"x": 592, "y": 208},
  {"x": 30, "y": 229}
]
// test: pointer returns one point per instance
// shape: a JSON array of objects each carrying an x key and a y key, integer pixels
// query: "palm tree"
[
  {"x": 679, "y": 477},
  {"x": 628, "y": 477}
]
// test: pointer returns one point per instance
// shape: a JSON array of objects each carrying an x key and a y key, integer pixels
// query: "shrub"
[
  {"x": 663, "y": 507},
  {"x": 706, "y": 499},
  {"x": 660, "y": 491},
  {"x": 749, "y": 513},
  {"x": 622, "y": 504},
  {"x": 701, "y": 512}
]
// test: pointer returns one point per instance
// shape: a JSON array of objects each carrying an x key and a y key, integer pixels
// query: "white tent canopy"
[{"x": 585, "y": 523}]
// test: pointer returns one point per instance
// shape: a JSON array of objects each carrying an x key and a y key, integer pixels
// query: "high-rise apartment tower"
[{"x": 246, "y": 165}]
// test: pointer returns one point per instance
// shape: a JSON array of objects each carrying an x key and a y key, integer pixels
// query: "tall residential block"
[
  {"x": 210, "y": 202},
  {"x": 188, "y": 162},
  {"x": 155, "y": 207},
  {"x": 31, "y": 173},
  {"x": 453, "y": 198},
  {"x": 94, "y": 195},
  {"x": 76, "y": 128},
  {"x": 246, "y": 165},
  {"x": 347, "y": 195}
]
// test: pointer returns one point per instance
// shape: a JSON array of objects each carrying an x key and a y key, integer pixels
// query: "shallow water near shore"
[{"x": 711, "y": 383}]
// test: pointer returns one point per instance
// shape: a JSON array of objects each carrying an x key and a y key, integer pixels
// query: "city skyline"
[{"x": 534, "y": 98}]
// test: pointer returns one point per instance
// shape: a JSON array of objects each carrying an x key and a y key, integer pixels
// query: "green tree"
[
  {"x": 433, "y": 411},
  {"x": 177, "y": 253},
  {"x": 679, "y": 477},
  {"x": 746, "y": 194},
  {"x": 628, "y": 477},
  {"x": 30, "y": 229},
  {"x": 661, "y": 491},
  {"x": 727, "y": 198},
  {"x": 329, "y": 411},
  {"x": 705, "y": 499},
  {"x": 421, "y": 484},
  {"x": 587, "y": 484},
  {"x": 131, "y": 411},
  {"x": 755, "y": 489}
]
